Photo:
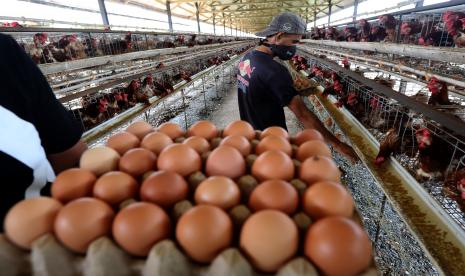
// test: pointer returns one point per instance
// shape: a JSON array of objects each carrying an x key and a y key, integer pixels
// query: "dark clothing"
[
  {"x": 33, "y": 124},
  {"x": 265, "y": 87}
]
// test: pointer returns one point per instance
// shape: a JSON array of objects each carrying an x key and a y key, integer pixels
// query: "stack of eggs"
[{"x": 273, "y": 196}]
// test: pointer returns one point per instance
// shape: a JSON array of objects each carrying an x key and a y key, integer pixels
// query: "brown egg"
[
  {"x": 274, "y": 194},
  {"x": 325, "y": 198},
  {"x": 238, "y": 142},
  {"x": 338, "y": 246},
  {"x": 319, "y": 168},
  {"x": 312, "y": 148},
  {"x": 140, "y": 129},
  {"x": 199, "y": 144},
  {"x": 203, "y": 129},
  {"x": 82, "y": 221},
  {"x": 180, "y": 159},
  {"x": 272, "y": 142},
  {"x": 273, "y": 164},
  {"x": 29, "y": 219},
  {"x": 241, "y": 128},
  {"x": 269, "y": 238},
  {"x": 307, "y": 135},
  {"x": 204, "y": 231},
  {"x": 139, "y": 226},
  {"x": 164, "y": 188},
  {"x": 225, "y": 161},
  {"x": 115, "y": 187},
  {"x": 275, "y": 131},
  {"x": 219, "y": 191},
  {"x": 99, "y": 160},
  {"x": 138, "y": 161},
  {"x": 156, "y": 142},
  {"x": 171, "y": 129},
  {"x": 122, "y": 142},
  {"x": 73, "y": 183}
]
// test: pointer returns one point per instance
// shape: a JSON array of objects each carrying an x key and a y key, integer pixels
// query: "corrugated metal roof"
[{"x": 246, "y": 15}]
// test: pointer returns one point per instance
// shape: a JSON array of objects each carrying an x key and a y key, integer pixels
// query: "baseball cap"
[{"x": 285, "y": 22}]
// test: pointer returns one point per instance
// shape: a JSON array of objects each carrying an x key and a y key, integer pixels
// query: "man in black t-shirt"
[
  {"x": 265, "y": 86},
  {"x": 38, "y": 137}
]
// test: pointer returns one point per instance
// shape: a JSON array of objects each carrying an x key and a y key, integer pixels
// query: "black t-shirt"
[
  {"x": 265, "y": 87},
  {"x": 33, "y": 124}
]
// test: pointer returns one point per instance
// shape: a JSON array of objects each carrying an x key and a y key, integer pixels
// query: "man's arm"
[
  {"x": 68, "y": 158},
  {"x": 310, "y": 120}
]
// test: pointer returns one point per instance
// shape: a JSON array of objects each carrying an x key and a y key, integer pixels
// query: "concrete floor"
[{"x": 229, "y": 111}]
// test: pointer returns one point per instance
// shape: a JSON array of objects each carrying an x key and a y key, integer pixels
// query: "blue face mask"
[{"x": 282, "y": 51}]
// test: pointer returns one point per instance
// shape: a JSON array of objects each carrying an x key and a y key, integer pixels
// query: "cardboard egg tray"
[{"x": 104, "y": 257}]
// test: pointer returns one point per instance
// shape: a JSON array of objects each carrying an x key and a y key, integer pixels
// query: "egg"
[
  {"x": 272, "y": 142},
  {"x": 274, "y": 194},
  {"x": 99, "y": 160},
  {"x": 82, "y": 221},
  {"x": 269, "y": 238},
  {"x": 220, "y": 191},
  {"x": 140, "y": 129},
  {"x": 326, "y": 198},
  {"x": 338, "y": 246},
  {"x": 139, "y": 226},
  {"x": 225, "y": 161},
  {"x": 73, "y": 183},
  {"x": 199, "y": 144},
  {"x": 204, "y": 231},
  {"x": 312, "y": 148},
  {"x": 30, "y": 219},
  {"x": 319, "y": 168},
  {"x": 164, "y": 188},
  {"x": 180, "y": 159},
  {"x": 138, "y": 161},
  {"x": 275, "y": 131},
  {"x": 123, "y": 141},
  {"x": 115, "y": 187},
  {"x": 238, "y": 142},
  {"x": 307, "y": 135},
  {"x": 203, "y": 129},
  {"x": 171, "y": 129},
  {"x": 273, "y": 164},
  {"x": 241, "y": 128},
  {"x": 156, "y": 142}
]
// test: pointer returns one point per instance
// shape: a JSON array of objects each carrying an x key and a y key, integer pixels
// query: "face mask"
[{"x": 282, "y": 51}]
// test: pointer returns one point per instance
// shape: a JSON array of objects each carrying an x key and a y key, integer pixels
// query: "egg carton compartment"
[{"x": 49, "y": 257}]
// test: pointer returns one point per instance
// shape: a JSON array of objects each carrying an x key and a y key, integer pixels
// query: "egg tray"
[{"x": 103, "y": 257}]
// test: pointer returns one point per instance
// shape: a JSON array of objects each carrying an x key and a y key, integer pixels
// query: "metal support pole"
[
  {"x": 197, "y": 13},
  {"x": 168, "y": 12},
  {"x": 224, "y": 25},
  {"x": 306, "y": 17},
  {"x": 354, "y": 18},
  {"x": 314, "y": 14},
  {"x": 230, "y": 25},
  {"x": 103, "y": 12},
  {"x": 184, "y": 108},
  {"x": 330, "y": 6},
  {"x": 204, "y": 96},
  {"x": 419, "y": 4},
  {"x": 214, "y": 25}
]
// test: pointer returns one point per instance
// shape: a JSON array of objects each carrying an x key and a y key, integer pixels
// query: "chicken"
[
  {"x": 389, "y": 23},
  {"x": 11, "y": 25},
  {"x": 122, "y": 100},
  {"x": 351, "y": 34},
  {"x": 436, "y": 38},
  {"x": 316, "y": 34},
  {"x": 439, "y": 92},
  {"x": 454, "y": 187},
  {"x": 454, "y": 23},
  {"x": 182, "y": 75},
  {"x": 135, "y": 94},
  {"x": 118, "y": 46},
  {"x": 40, "y": 53},
  {"x": 434, "y": 154},
  {"x": 410, "y": 28},
  {"x": 300, "y": 63},
  {"x": 68, "y": 48},
  {"x": 346, "y": 63},
  {"x": 377, "y": 33},
  {"x": 147, "y": 86},
  {"x": 191, "y": 42},
  {"x": 388, "y": 146},
  {"x": 333, "y": 34},
  {"x": 364, "y": 32},
  {"x": 93, "y": 112},
  {"x": 352, "y": 103}
]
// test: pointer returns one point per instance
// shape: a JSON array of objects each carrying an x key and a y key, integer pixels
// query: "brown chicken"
[
  {"x": 454, "y": 23},
  {"x": 389, "y": 23},
  {"x": 439, "y": 92},
  {"x": 434, "y": 154},
  {"x": 388, "y": 146},
  {"x": 454, "y": 187}
]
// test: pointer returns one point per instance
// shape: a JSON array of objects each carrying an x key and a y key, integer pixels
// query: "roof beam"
[
  {"x": 264, "y": 9},
  {"x": 259, "y": 2}
]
